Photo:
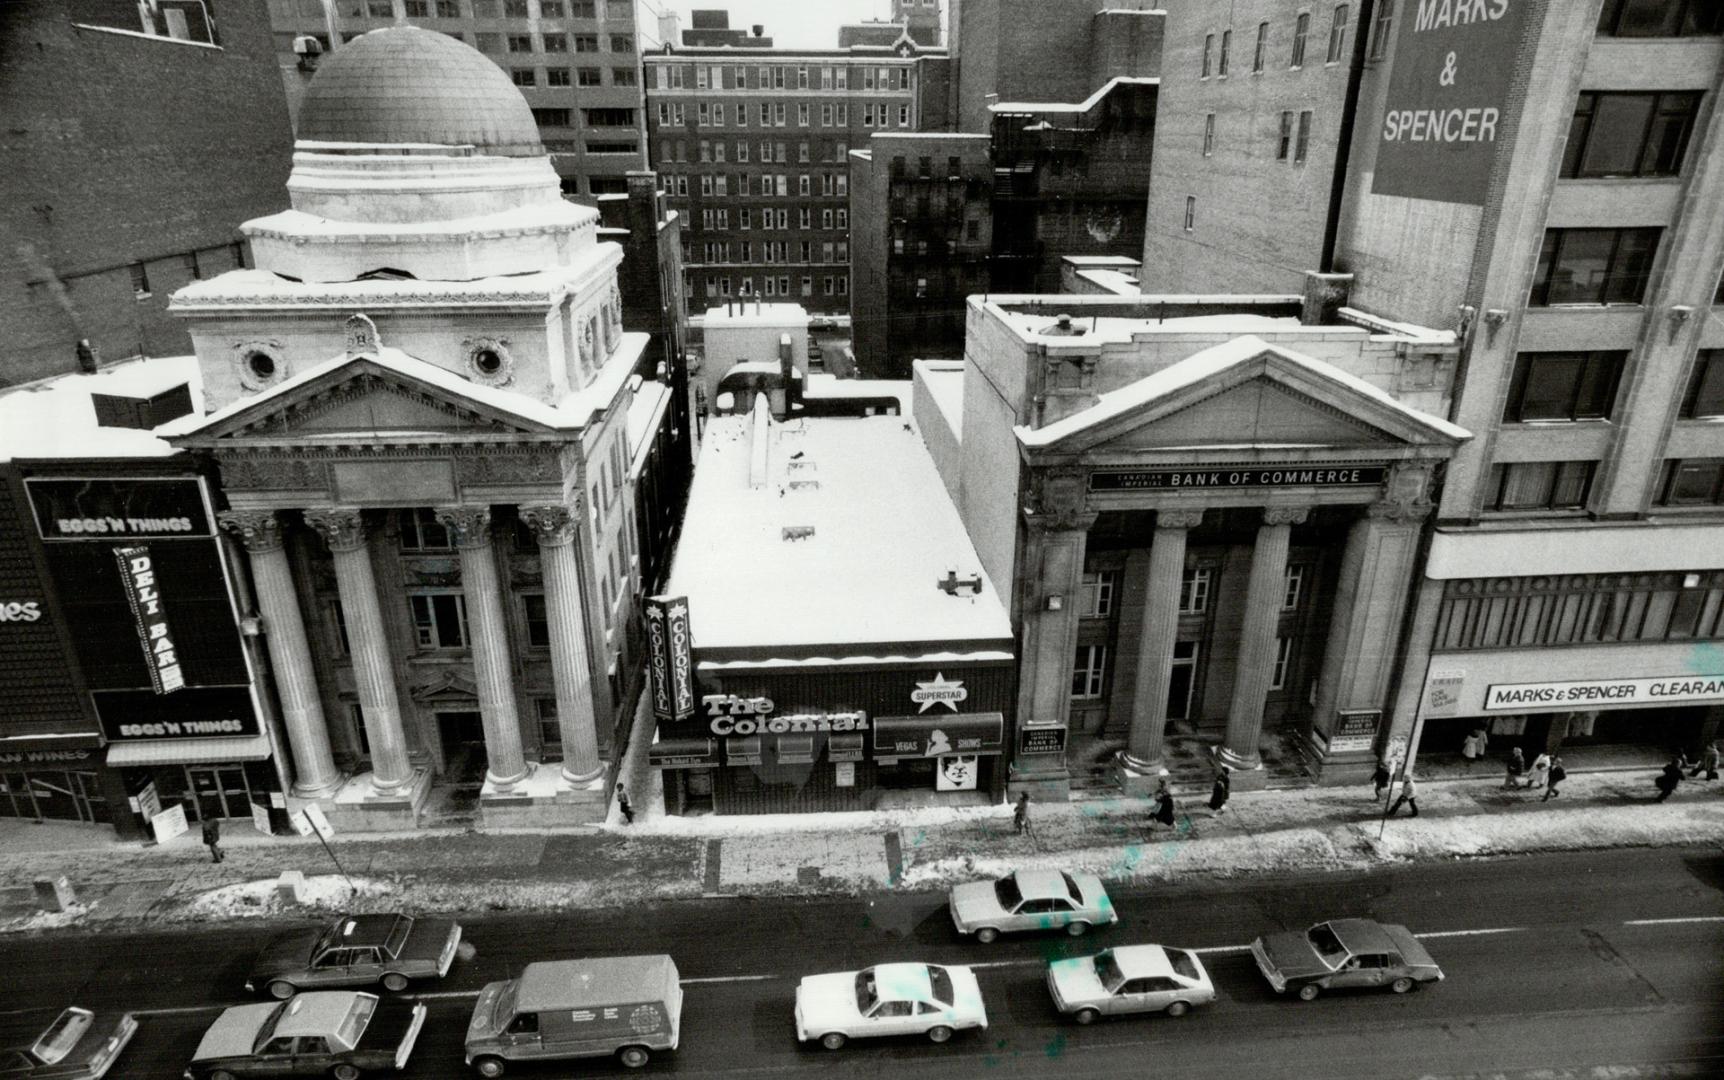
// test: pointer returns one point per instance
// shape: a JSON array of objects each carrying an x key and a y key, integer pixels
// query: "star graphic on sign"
[{"x": 939, "y": 691}]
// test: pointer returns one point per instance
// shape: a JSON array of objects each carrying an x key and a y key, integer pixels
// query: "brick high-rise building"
[
  {"x": 753, "y": 145},
  {"x": 576, "y": 61}
]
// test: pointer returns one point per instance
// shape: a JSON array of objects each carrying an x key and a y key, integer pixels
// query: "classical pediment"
[{"x": 1260, "y": 410}]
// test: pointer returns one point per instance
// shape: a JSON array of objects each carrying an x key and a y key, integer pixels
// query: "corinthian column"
[
  {"x": 314, "y": 769},
  {"x": 555, "y": 529},
  {"x": 1263, "y": 595},
  {"x": 505, "y": 764},
  {"x": 1160, "y": 631},
  {"x": 343, "y": 528}
]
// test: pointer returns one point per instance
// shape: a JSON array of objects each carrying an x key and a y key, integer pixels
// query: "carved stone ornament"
[
  {"x": 259, "y": 362},
  {"x": 498, "y": 465},
  {"x": 1285, "y": 515},
  {"x": 552, "y": 526},
  {"x": 489, "y": 361},
  {"x": 1062, "y": 500},
  {"x": 248, "y": 472},
  {"x": 258, "y": 530},
  {"x": 361, "y": 335},
  {"x": 1406, "y": 493},
  {"x": 589, "y": 331},
  {"x": 469, "y": 525},
  {"x": 1178, "y": 519},
  {"x": 342, "y": 527}
]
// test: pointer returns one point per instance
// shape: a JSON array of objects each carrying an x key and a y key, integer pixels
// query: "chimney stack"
[{"x": 87, "y": 361}]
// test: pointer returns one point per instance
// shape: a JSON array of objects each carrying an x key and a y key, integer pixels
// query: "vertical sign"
[
  {"x": 1443, "y": 117},
  {"x": 670, "y": 647},
  {"x": 658, "y": 653},
  {"x": 138, "y": 576}
]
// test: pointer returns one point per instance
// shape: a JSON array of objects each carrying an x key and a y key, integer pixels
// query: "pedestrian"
[
  {"x": 1473, "y": 747},
  {"x": 1708, "y": 762},
  {"x": 1219, "y": 794},
  {"x": 1557, "y": 775},
  {"x": 1021, "y": 814},
  {"x": 1382, "y": 777},
  {"x": 1164, "y": 806},
  {"x": 1409, "y": 795},
  {"x": 1539, "y": 775},
  {"x": 1668, "y": 780},
  {"x": 1516, "y": 767},
  {"x": 623, "y": 807},
  {"x": 212, "y": 839}
]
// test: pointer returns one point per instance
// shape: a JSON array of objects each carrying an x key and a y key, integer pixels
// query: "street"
[{"x": 1553, "y": 963}]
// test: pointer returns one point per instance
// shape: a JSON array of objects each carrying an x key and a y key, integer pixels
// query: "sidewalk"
[{"x": 665, "y": 858}]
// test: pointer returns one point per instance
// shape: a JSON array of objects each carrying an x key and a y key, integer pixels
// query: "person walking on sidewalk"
[
  {"x": 1516, "y": 768},
  {"x": 1021, "y": 814},
  {"x": 1472, "y": 747},
  {"x": 1667, "y": 781},
  {"x": 1163, "y": 803},
  {"x": 1557, "y": 775},
  {"x": 1219, "y": 794},
  {"x": 623, "y": 807},
  {"x": 1382, "y": 777},
  {"x": 212, "y": 839},
  {"x": 1540, "y": 774},
  {"x": 1708, "y": 763},
  {"x": 1409, "y": 795}
]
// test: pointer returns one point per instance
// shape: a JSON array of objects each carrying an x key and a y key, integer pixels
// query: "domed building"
[{"x": 419, "y": 401}]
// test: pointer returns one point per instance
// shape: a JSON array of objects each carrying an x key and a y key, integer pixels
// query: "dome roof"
[{"x": 403, "y": 84}]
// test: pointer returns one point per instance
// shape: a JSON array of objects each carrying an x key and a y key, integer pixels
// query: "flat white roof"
[
  {"x": 1116, "y": 328},
  {"x": 1073, "y": 106},
  {"x": 751, "y": 314},
  {"x": 54, "y": 418},
  {"x": 945, "y": 382},
  {"x": 842, "y": 545}
]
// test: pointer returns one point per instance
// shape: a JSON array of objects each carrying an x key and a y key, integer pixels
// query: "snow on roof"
[
  {"x": 54, "y": 418},
  {"x": 823, "y": 385},
  {"x": 1102, "y": 260},
  {"x": 1117, "y": 328},
  {"x": 942, "y": 136},
  {"x": 260, "y": 287},
  {"x": 921, "y": 659},
  {"x": 843, "y": 545},
  {"x": 645, "y": 408},
  {"x": 945, "y": 382},
  {"x": 550, "y": 214},
  {"x": 1119, "y": 282},
  {"x": 752, "y": 314},
  {"x": 1074, "y": 107},
  {"x": 1205, "y": 365}
]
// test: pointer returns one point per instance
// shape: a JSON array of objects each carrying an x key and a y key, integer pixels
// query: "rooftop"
[
  {"x": 317, "y": 1013},
  {"x": 55, "y": 418},
  {"x": 945, "y": 382},
  {"x": 1103, "y": 318},
  {"x": 603, "y": 980},
  {"x": 745, "y": 313},
  {"x": 1074, "y": 106}
]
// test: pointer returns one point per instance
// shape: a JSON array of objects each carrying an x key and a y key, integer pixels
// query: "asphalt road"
[{"x": 1555, "y": 964}]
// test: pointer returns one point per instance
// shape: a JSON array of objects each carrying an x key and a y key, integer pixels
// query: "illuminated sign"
[
  {"x": 102, "y": 509},
  {"x": 20, "y": 610},
  {"x": 939, "y": 691},
  {"x": 138, "y": 576},
  {"x": 672, "y": 664}
]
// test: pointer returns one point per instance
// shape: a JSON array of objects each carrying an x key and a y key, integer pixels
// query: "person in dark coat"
[
  {"x": 1219, "y": 794},
  {"x": 212, "y": 839},
  {"x": 1163, "y": 804},
  {"x": 1516, "y": 768},
  {"x": 623, "y": 807},
  {"x": 1557, "y": 775},
  {"x": 1021, "y": 814},
  {"x": 1381, "y": 777},
  {"x": 1668, "y": 780}
]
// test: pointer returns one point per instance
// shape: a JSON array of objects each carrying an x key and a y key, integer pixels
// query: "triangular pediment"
[{"x": 1260, "y": 410}]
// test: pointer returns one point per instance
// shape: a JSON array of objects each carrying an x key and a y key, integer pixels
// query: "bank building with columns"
[
  {"x": 418, "y": 401},
  {"x": 1209, "y": 510}
]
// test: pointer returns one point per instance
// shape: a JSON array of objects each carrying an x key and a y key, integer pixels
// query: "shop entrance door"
[
  {"x": 1180, "y": 679},
  {"x": 219, "y": 791},
  {"x": 463, "y": 735}
]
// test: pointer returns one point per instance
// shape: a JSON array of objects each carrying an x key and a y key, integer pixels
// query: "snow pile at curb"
[
  {"x": 45, "y": 920},
  {"x": 834, "y": 821},
  {"x": 329, "y": 892}
]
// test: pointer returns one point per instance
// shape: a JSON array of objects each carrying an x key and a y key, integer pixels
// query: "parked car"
[
  {"x": 357, "y": 950},
  {"x": 1031, "y": 900},
  {"x": 1342, "y": 954},
  {"x": 888, "y": 999},
  {"x": 1129, "y": 979},
  {"x": 623, "y": 1005},
  {"x": 331, "y": 1033},
  {"x": 76, "y": 1046}
]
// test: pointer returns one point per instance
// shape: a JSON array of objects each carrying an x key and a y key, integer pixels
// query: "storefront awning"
[
  {"x": 683, "y": 753},
  {"x": 933, "y": 736},
  {"x": 188, "y": 751}
]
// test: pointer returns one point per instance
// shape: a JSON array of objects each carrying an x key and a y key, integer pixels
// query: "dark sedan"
[
  {"x": 78, "y": 1045},
  {"x": 1344, "y": 954},
  {"x": 357, "y": 950},
  {"x": 332, "y": 1033}
]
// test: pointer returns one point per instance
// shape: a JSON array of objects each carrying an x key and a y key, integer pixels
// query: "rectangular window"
[
  {"x": 1208, "y": 134},
  {"x": 1301, "y": 27},
  {"x": 537, "y": 624},
  {"x": 1089, "y": 670},
  {"x": 1262, "y": 47},
  {"x": 515, "y": 9},
  {"x": 384, "y": 9},
  {"x": 1563, "y": 386},
  {"x": 609, "y": 117},
  {"x": 439, "y": 619},
  {"x": 590, "y": 43},
  {"x": 1381, "y": 23},
  {"x": 556, "y": 43},
  {"x": 417, "y": 9},
  {"x": 1194, "y": 590},
  {"x": 1283, "y": 660},
  {"x": 556, "y": 76},
  {"x": 1338, "y": 34},
  {"x": 1593, "y": 266},
  {"x": 1705, "y": 397},
  {"x": 1304, "y": 141},
  {"x": 1208, "y": 48},
  {"x": 591, "y": 77},
  {"x": 1540, "y": 485},
  {"x": 1692, "y": 483},
  {"x": 624, "y": 77},
  {"x": 550, "y": 9},
  {"x": 1190, "y": 213},
  {"x": 1284, "y": 144},
  {"x": 904, "y": 116},
  {"x": 421, "y": 531},
  {"x": 1226, "y": 47},
  {"x": 520, "y": 43},
  {"x": 1293, "y": 586},
  {"x": 448, "y": 9},
  {"x": 1629, "y": 134},
  {"x": 523, "y": 77},
  {"x": 1660, "y": 18},
  {"x": 1096, "y": 598}
]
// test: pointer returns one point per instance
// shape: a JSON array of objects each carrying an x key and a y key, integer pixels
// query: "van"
[{"x": 628, "y": 1006}]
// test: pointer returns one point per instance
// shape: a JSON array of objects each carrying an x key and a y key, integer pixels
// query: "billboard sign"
[
  {"x": 197, "y": 712},
  {"x": 1443, "y": 116},
  {"x": 96, "y": 509}
]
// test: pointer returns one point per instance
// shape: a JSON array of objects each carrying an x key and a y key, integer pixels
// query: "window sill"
[
  {"x": 1588, "y": 305},
  {"x": 1532, "y": 514},
  {"x": 1536, "y": 424}
]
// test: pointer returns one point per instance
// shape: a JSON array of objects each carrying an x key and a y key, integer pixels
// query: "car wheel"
[
  {"x": 987, "y": 935},
  {"x": 281, "y": 990},
  {"x": 489, "y": 1066},
  {"x": 634, "y": 1056},
  {"x": 1086, "y": 1016},
  {"x": 395, "y": 982},
  {"x": 1077, "y": 929},
  {"x": 1309, "y": 992},
  {"x": 345, "y": 1072},
  {"x": 939, "y": 1033},
  {"x": 1179, "y": 1008},
  {"x": 833, "y": 1040},
  {"x": 1401, "y": 985}
]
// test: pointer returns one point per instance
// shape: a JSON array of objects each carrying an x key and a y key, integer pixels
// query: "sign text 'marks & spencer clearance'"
[{"x": 1591, "y": 693}]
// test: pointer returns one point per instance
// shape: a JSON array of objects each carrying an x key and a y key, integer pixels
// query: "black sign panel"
[
  {"x": 933, "y": 736},
  {"x": 1238, "y": 476},
  {"x": 109, "y": 509},
  {"x": 197, "y": 712},
  {"x": 1042, "y": 740}
]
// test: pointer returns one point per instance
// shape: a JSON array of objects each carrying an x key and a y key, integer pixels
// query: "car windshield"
[
  {"x": 398, "y": 935},
  {"x": 267, "y": 1028},
  {"x": 1183, "y": 963},
  {"x": 941, "y": 980},
  {"x": 1006, "y": 890},
  {"x": 1072, "y": 890},
  {"x": 1328, "y": 946},
  {"x": 865, "y": 996},
  {"x": 352, "y": 1026},
  {"x": 505, "y": 1007},
  {"x": 1107, "y": 970},
  {"x": 62, "y": 1035}
]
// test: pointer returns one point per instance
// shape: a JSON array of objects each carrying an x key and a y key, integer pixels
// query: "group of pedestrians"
[{"x": 1679, "y": 765}]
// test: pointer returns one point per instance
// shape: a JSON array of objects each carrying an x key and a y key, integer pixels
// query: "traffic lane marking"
[{"x": 1674, "y": 922}]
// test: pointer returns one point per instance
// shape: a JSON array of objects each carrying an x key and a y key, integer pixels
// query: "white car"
[
  {"x": 1031, "y": 900},
  {"x": 888, "y": 999},
  {"x": 1129, "y": 979}
]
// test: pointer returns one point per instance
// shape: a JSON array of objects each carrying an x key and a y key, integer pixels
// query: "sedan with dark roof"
[
  {"x": 331, "y": 1033},
  {"x": 78, "y": 1045},
  {"x": 357, "y": 950},
  {"x": 1344, "y": 954}
]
